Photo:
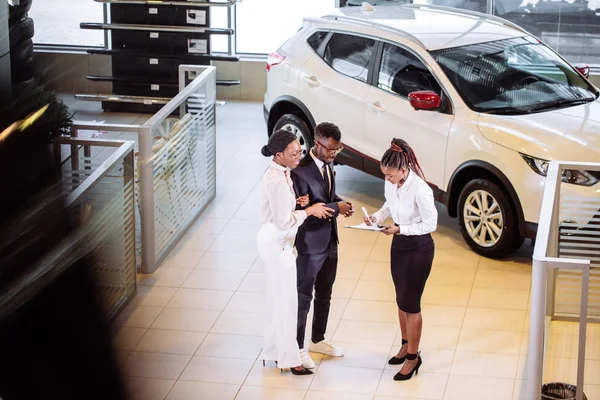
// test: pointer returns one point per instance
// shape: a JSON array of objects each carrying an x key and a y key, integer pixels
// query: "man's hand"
[
  {"x": 351, "y": 212},
  {"x": 319, "y": 210},
  {"x": 303, "y": 201},
  {"x": 345, "y": 208},
  {"x": 391, "y": 230}
]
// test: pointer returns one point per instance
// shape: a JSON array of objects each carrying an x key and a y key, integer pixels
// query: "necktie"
[{"x": 326, "y": 178}]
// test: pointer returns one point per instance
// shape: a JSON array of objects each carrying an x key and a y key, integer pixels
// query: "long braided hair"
[{"x": 401, "y": 155}]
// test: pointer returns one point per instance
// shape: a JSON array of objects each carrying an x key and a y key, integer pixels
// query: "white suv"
[{"x": 484, "y": 105}]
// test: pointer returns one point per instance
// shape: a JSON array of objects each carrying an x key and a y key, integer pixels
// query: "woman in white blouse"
[
  {"x": 409, "y": 201},
  {"x": 275, "y": 242}
]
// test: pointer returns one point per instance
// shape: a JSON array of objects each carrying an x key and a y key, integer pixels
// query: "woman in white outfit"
[{"x": 275, "y": 243}]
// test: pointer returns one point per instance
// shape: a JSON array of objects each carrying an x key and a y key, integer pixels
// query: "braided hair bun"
[
  {"x": 265, "y": 151},
  {"x": 401, "y": 155},
  {"x": 278, "y": 142}
]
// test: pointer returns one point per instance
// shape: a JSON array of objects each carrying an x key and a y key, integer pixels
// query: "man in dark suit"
[{"x": 317, "y": 240}]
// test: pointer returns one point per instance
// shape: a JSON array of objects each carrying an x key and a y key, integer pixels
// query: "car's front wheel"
[
  {"x": 296, "y": 125},
  {"x": 487, "y": 219}
]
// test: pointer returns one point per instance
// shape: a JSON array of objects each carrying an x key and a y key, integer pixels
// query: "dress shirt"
[
  {"x": 279, "y": 200},
  {"x": 411, "y": 206},
  {"x": 320, "y": 164}
]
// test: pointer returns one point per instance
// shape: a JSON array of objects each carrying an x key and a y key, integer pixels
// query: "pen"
[{"x": 366, "y": 213}]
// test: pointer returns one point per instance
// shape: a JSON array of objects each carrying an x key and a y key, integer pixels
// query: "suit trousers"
[{"x": 316, "y": 271}]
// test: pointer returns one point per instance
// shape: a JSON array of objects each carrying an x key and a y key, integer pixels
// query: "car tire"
[
  {"x": 21, "y": 31},
  {"x": 495, "y": 234},
  {"x": 299, "y": 127},
  {"x": 18, "y": 12}
]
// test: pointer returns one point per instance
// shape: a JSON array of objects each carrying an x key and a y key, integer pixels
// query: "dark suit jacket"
[{"x": 314, "y": 234}]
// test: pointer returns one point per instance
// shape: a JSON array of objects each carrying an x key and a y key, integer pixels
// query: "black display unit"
[{"x": 148, "y": 42}]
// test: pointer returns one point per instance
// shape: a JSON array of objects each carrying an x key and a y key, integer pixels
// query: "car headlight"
[{"x": 576, "y": 177}]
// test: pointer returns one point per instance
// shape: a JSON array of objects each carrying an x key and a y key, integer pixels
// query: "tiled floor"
[
  {"x": 194, "y": 329},
  {"x": 562, "y": 351}
]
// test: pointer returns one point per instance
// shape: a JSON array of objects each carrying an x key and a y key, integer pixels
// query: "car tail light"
[
  {"x": 583, "y": 70},
  {"x": 424, "y": 100},
  {"x": 274, "y": 59}
]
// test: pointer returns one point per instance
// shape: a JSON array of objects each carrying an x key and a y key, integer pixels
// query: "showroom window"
[
  {"x": 57, "y": 22},
  {"x": 219, "y": 17},
  {"x": 350, "y": 55},
  {"x": 262, "y": 26},
  {"x": 401, "y": 72},
  {"x": 571, "y": 27}
]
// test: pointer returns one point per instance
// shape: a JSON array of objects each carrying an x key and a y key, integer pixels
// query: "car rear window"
[
  {"x": 316, "y": 39},
  {"x": 350, "y": 55}
]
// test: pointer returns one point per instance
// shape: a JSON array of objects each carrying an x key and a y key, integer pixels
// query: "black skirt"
[{"x": 411, "y": 258}]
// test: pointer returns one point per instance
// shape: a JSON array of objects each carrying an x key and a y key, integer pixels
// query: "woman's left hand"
[{"x": 391, "y": 230}]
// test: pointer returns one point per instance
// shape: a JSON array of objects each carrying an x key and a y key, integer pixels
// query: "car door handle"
[
  {"x": 312, "y": 81},
  {"x": 377, "y": 107}
]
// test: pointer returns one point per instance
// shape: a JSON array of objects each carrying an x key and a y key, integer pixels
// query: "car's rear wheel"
[
  {"x": 487, "y": 219},
  {"x": 296, "y": 125}
]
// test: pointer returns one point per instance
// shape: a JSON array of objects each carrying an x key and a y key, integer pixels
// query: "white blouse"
[
  {"x": 411, "y": 206},
  {"x": 278, "y": 200}
]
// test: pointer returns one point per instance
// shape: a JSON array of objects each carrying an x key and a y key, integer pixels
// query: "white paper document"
[{"x": 366, "y": 227}]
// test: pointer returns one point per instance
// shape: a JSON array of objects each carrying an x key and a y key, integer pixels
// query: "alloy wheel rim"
[
  {"x": 483, "y": 218},
  {"x": 298, "y": 133}
]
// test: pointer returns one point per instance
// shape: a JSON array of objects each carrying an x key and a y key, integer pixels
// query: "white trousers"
[{"x": 276, "y": 250}]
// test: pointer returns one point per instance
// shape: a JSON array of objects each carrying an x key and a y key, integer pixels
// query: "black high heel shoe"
[
  {"x": 304, "y": 371},
  {"x": 395, "y": 360},
  {"x": 402, "y": 377}
]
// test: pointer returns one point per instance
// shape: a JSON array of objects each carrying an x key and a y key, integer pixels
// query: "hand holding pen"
[{"x": 369, "y": 220}]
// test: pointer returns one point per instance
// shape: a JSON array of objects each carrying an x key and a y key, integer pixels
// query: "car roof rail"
[
  {"x": 377, "y": 25},
  {"x": 472, "y": 13}
]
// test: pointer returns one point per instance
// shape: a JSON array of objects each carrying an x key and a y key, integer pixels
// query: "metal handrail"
[
  {"x": 182, "y": 96},
  {"x": 544, "y": 259},
  {"x": 125, "y": 147},
  {"x": 120, "y": 98},
  {"x": 79, "y": 125},
  {"x": 199, "y": 75},
  {"x": 193, "y": 3}
]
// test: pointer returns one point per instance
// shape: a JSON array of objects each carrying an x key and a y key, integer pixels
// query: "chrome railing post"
[
  {"x": 547, "y": 262},
  {"x": 537, "y": 320},
  {"x": 550, "y": 293},
  {"x": 552, "y": 180},
  {"x": 583, "y": 313},
  {"x": 146, "y": 193}
]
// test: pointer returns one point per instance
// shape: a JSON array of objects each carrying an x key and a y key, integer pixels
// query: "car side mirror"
[
  {"x": 425, "y": 100},
  {"x": 583, "y": 70}
]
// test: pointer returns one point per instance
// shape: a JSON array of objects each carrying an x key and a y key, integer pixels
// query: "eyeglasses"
[{"x": 331, "y": 151}]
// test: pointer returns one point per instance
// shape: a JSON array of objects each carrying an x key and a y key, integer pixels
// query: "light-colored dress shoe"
[{"x": 327, "y": 348}]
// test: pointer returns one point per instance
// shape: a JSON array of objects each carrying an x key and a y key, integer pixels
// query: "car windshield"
[{"x": 513, "y": 76}]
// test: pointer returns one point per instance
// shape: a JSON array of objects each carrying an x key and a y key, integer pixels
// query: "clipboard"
[{"x": 365, "y": 227}]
